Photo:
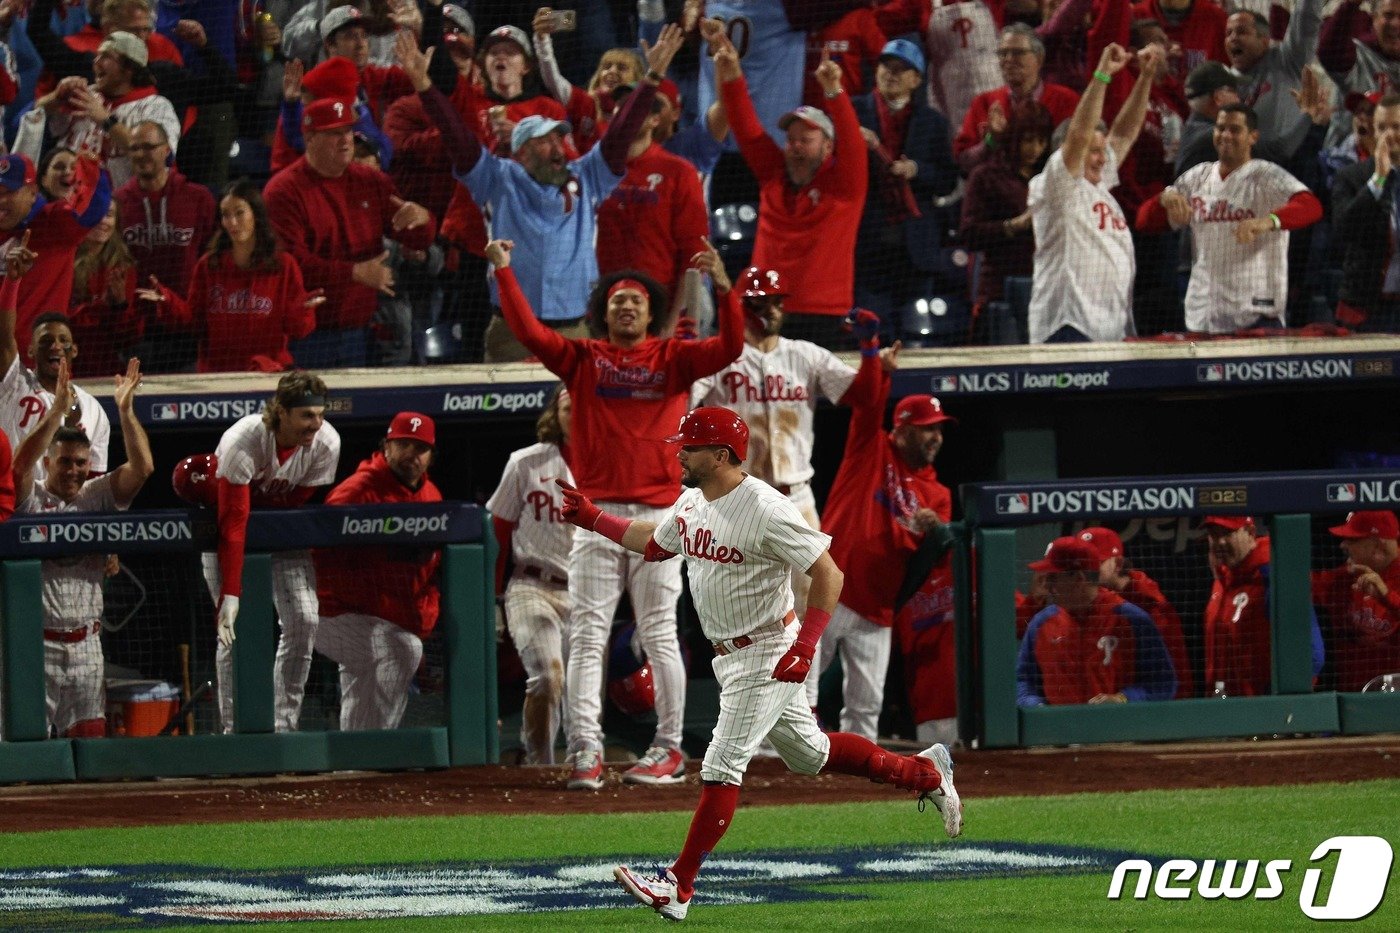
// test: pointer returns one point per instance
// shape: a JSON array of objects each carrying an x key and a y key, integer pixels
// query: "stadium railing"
[
  {"x": 1008, "y": 524},
  {"x": 468, "y": 735}
]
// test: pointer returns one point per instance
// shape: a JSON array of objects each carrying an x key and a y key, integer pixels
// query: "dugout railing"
[
  {"x": 1008, "y": 524},
  {"x": 467, "y": 736}
]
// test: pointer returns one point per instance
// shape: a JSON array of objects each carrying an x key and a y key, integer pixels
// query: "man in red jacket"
[
  {"x": 630, "y": 389},
  {"x": 332, "y": 216},
  {"x": 812, "y": 195},
  {"x": 1362, "y": 599},
  {"x": 379, "y": 603}
]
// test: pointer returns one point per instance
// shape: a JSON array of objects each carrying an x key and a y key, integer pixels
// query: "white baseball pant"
[
  {"x": 537, "y": 615},
  {"x": 865, "y": 658},
  {"x": 753, "y": 706},
  {"x": 73, "y": 683},
  {"x": 599, "y": 571},
  {"x": 294, "y": 598},
  {"x": 377, "y": 662}
]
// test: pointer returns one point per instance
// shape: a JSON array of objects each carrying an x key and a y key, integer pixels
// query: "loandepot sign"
[{"x": 168, "y": 895}]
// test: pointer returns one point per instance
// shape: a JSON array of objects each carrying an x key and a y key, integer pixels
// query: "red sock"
[
  {"x": 712, "y": 817},
  {"x": 855, "y": 754}
]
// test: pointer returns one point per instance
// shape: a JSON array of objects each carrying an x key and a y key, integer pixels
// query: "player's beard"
[{"x": 688, "y": 479}]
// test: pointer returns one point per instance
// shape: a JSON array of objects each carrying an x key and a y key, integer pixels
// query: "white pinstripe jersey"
[
  {"x": 961, "y": 41},
  {"x": 23, "y": 401},
  {"x": 528, "y": 497},
  {"x": 738, "y": 552},
  {"x": 1234, "y": 284},
  {"x": 73, "y": 585},
  {"x": 248, "y": 456},
  {"x": 776, "y": 395}
]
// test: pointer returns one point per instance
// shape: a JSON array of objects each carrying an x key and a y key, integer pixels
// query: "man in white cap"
[
  {"x": 101, "y": 116},
  {"x": 540, "y": 199}
]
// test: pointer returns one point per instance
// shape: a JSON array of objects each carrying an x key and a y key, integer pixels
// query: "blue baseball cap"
[
  {"x": 906, "y": 51},
  {"x": 535, "y": 126},
  {"x": 16, "y": 171}
]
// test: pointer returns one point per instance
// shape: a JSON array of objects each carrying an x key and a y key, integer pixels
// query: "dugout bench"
[
  {"x": 469, "y": 735},
  {"x": 1007, "y": 524}
]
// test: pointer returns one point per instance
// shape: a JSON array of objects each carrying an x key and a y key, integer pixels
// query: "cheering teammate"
[
  {"x": 272, "y": 460},
  {"x": 1240, "y": 210},
  {"x": 72, "y": 591},
  {"x": 773, "y": 386},
  {"x": 373, "y": 625},
  {"x": 741, "y": 538},
  {"x": 627, "y": 390},
  {"x": 534, "y": 540}
]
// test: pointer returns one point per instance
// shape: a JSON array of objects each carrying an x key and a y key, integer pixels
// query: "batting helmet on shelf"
[
  {"x": 193, "y": 480},
  {"x": 760, "y": 283},
  {"x": 630, "y": 686},
  {"x": 710, "y": 425}
]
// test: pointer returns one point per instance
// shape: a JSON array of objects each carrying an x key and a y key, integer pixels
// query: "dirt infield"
[{"x": 499, "y": 789}]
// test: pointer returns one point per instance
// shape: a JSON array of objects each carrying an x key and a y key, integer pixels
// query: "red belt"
[
  {"x": 547, "y": 577},
  {"x": 723, "y": 648},
  {"x": 69, "y": 636}
]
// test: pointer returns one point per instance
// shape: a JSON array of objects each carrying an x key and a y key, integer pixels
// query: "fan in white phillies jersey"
[
  {"x": 72, "y": 586},
  {"x": 741, "y": 538},
  {"x": 272, "y": 460},
  {"x": 1240, "y": 210},
  {"x": 26, "y": 394},
  {"x": 534, "y": 543},
  {"x": 1083, "y": 281},
  {"x": 960, "y": 41},
  {"x": 773, "y": 386}
]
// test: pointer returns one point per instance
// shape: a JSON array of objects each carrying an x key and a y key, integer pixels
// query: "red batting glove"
[
  {"x": 794, "y": 666},
  {"x": 865, "y": 326},
  {"x": 578, "y": 508}
]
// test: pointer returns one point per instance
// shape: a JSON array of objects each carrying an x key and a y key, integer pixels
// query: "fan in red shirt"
[
  {"x": 854, "y": 42},
  {"x": 655, "y": 219},
  {"x": 332, "y": 216},
  {"x": 246, "y": 297},
  {"x": 377, "y": 604},
  {"x": 1361, "y": 599},
  {"x": 1142, "y": 591},
  {"x": 812, "y": 195},
  {"x": 629, "y": 391},
  {"x": 1198, "y": 26}
]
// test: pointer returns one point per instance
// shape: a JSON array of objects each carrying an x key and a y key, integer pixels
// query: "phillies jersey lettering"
[
  {"x": 528, "y": 497},
  {"x": 898, "y": 497},
  {"x": 774, "y": 388},
  {"x": 701, "y": 545},
  {"x": 24, "y": 400},
  {"x": 545, "y": 507},
  {"x": 1219, "y": 212},
  {"x": 1109, "y": 217},
  {"x": 640, "y": 194},
  {"x": 239, "y": 301},
  {"x": 634, "y": 382},
  {"x": 248, "y": 456},
  {"x": 927, "y": 609}
]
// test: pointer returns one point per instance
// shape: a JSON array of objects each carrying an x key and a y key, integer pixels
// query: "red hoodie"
[
  {"x": 397, "y": 584},
  {"x": 166, "y": 230},
  {"x": 1238, "y": 645}
]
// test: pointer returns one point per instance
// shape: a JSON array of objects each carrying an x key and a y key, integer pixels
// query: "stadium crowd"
[{"x": 209, "y": 186}]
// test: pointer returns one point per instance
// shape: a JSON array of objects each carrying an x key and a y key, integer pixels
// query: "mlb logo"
[
  {"x": 1016, "y": 503},
  {"x": 1211, "y": 372},
  {"x": 1341, "y": 492},
  {"x": 34, "y": 534},
  {"x": 166, "y": 411},
  {"x": 947, "y": 383}
]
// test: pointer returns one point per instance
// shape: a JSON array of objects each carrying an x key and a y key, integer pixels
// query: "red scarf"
[{"x": 895, "y": 193}]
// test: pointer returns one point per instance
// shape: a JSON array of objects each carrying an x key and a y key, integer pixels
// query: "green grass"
[{"x": 1262, "y": 823}]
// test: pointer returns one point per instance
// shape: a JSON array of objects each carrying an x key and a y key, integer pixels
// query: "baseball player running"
[
  {"x": 26, "y": 394},
  {"x": 740, "y": 538},
  {"x": 534, "y": 543},
  {"x": 272, "y": 460},
  {"x": 373, "y": 623},
  {"x": 72, "y": 587},
  {"x": 628, "y": 390},
  {"x": 774, "y": 386}
]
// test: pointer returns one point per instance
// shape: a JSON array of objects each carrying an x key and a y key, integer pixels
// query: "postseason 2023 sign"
[{"x": 1249, "y": 494}]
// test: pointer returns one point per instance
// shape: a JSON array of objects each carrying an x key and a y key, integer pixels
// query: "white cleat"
[
  {"x": 945, "y": 797},
  {"x": 660, "y": 893}
]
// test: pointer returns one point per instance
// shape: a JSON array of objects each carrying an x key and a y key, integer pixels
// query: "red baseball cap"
[
  {"x": 328, "y": 114},
  {"x": 1068, "y": 555},
  {"x": 335, "y": 77},
  {"x": 1376, "y": 524},
  {"x": 921, "y": 410},
  {"x": 1229, "y": 522},
  {"x": 1104, "y": 541},
  {"x": 412, "y": 426}
]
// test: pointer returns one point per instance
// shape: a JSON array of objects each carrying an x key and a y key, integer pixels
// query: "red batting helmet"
[
  {"x": 634, "y": 694},
  {"x": 193, "y": 480},
  {"x": 708, "y": 426},
  {"x": 760, "y": 283}
]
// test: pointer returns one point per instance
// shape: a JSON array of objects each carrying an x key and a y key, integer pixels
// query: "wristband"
[
  {"x": 832, "y": 95},
  {"x": 989, "y": 140},
  {"x": 813, "y": 624},
  {"x": 653, "y": 76},
  {"x": 1105, "y": 78},
  {"x": 612, "y": 527},
  {"x": 1278, "y": 224},
  {"x": 1378, "y": 180}
]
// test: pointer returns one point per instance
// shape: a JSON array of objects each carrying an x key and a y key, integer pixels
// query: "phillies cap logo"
[{"x": 414, "y": 424}]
